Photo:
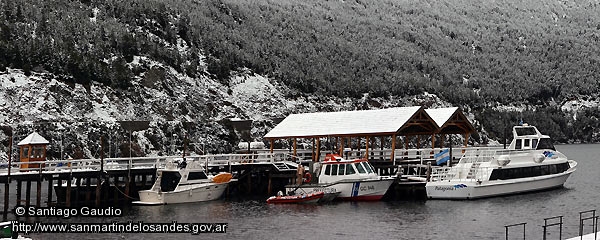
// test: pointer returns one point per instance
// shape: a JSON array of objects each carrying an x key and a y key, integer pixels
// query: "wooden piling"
[
  {"x": 367, "y": 148},
  {"x": 98, "y": 190},
  {"x": 88, "y": 190},
  {"x": 6, "y": 199},
  {"x": 144, "y": 179},
  {"x": 77, "y": 189},
  {"x": 38, "y": 199},
  {"x": 269, "y": 188},
  {"x": 28, "y": 193},
  {"x": 127, "y": 184},
  {"x": 249, "y": 182},
  {"x": 393, "y": 153},
  {"x": 68, "y": 198},
  {"x": 116, "y": 190},
  {"x": 19, "y": 192},
  {"x": 50, "y": 183}
]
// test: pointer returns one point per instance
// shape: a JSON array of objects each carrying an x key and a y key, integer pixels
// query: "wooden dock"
[
  {"x": 101, "y": 182},
  {"x": 111, "y": 181}
]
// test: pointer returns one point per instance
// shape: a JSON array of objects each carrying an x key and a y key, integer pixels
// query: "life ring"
[{"x": 307, "y": 177}]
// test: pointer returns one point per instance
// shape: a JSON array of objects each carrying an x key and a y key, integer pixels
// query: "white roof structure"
[
  {"x": 33, "y": 139},
  {"x": 347, "y": 123},
  {"x": 441, "y": 115},
  {"x": 450, "y": 120}
]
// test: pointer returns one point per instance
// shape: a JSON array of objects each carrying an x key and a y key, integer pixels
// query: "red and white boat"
[
  {"x": 355, "y": 180},
  {"x": 299, "y": 198}
]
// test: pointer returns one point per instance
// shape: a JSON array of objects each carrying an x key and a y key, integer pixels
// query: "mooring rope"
[{"x": 117, "y": 187}]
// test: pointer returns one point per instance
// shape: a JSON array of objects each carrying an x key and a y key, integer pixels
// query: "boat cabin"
[
  {"x": 336, "y": 168},
  {"x": 528, "y": 137},
  {"x": 176, "y": 174}
]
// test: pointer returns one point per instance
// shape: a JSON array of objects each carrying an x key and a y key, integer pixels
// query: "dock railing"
[{"x": 71, "y": 165}]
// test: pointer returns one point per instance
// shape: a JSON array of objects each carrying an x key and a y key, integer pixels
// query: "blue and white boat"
[{"x": 531, "y": 163}]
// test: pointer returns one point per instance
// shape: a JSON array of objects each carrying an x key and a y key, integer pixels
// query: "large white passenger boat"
[
  {"x": 355, "y": 180},
  {"x": 531, "y": 163},
  {"x": 181, "y": 183}
]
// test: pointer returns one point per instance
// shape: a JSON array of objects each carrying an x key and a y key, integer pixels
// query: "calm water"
[{"x": 431, "y": 219}]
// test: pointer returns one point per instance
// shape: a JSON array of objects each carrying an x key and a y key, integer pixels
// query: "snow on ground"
[{"x": 577, "y": 105}]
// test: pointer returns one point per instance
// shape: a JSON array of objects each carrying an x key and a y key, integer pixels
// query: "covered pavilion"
[{"x": 368, "y": 124}]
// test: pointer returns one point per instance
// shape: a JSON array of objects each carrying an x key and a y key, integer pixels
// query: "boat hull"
[
  {"x": 474, "y": 189},
  {"x": 192, "y": 193},
  {"x": 360, "y": 190}
]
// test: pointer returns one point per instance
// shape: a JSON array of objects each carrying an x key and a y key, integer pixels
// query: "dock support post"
[
  {"x": 341, "y": 146},
  {"x": 77, "y": 190},
  {"x": 367, "y": 148},
  {"x": 38, "y": 199},
  {"x": 269, "y": 188},
  {"x": 50, "y": 185},
  {"x": 295, "y": 148},
  {"x": 68, "y": 203},
  {"x": 88, "y": 190},
  {"x": 6, "y": 199},
  {"x": 393, "y": 153},
  {"x": 28, "y": 193},
  {"x": 98, "y": 190},
  {"x": 318, "y": 154},
  {"x": 116, "y": 191},
  {"x": 250, "y": 182},
  {"x": 19, "y": 192},
  {"x": 144, "y": 178},
  {"x": 127, "y": 181}
]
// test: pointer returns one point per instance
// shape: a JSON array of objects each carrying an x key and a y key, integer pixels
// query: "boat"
[
  {"x": 184, "y": 182},
  {"x": 313, "y": 197},
  {"x": 355, "y": 180},
  {"x": 530, "y": 163}
]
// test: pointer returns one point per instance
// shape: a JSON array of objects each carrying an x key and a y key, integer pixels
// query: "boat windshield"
[
  {"x": 360, "y": 168},
  {"x": 368, "y": 167},
  {"x": 197, "y": 176},
  {"x": 545, "y": 143},
  {"x": 524, "y": 131},
  {"x": 169, "y": 181}
]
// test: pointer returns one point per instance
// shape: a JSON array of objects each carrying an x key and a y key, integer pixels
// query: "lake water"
[{"x": 407, "y": 219}]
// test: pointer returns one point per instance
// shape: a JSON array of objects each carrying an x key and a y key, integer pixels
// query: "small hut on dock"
[{"x": 32, "y": 149}]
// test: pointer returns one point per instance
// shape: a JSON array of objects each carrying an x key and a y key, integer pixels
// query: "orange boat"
[{"x": 300, "y": 198}]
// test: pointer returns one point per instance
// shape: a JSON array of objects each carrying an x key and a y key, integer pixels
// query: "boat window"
[
  {"x": 525, "y": 143},
  {"x": 169, "y": 181},
  {"x": 341, "y": 170},
  {"x": 350, "y": 169},
  {"x": 328, "y": 170},
  {"x": 197, "y": 175},
  {"x": 360, "y": 168},
  {"x": 545, "y": 143},
  {"x": 369, "y": 169},
  {"x": 534, "y": 143},
  {"x": 518, "y": 144},
  {"x": 334, "y": 169},
  {"x": 523, "y": 131},
  {"x": 513, "y": 173}
]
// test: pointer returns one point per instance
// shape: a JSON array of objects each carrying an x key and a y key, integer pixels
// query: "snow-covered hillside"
[{"x": 175, "y": 105}]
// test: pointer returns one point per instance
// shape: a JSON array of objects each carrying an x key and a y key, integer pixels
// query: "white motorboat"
[
  {"x": 355, "y": 180},
  {"x": 531, "y": 163},
  {"x": 181, "y": 183}
]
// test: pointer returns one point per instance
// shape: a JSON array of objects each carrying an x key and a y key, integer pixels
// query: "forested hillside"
[{"x": 501, "y": 60}]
